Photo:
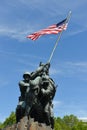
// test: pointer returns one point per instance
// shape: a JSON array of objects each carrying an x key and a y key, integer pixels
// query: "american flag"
[{"x": 53, "y": 29}]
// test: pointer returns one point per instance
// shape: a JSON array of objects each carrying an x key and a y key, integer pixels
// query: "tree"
[
  {"x": 82, "y": 126},
  {"x": 60, "y": 124},
  {"x": 10, "y": 120},
  {"x": 57, "y": 125},
  {"x": 1, "y": 125},
  {"x": 70, "y": 121}
]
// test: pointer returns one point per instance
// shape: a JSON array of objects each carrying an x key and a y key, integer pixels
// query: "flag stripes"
[{"x": 53, "y": 29}]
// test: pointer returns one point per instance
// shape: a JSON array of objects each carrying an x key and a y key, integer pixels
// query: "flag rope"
[{"x": 57, "y": 41}]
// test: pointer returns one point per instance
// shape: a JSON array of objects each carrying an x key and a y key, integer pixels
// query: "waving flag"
[{"x": 53, "y": 29}]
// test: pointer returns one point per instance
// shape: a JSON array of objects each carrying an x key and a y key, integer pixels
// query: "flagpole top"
[
  {"x": 68, "y": 16},
  {"x": 70, "y": 12}
]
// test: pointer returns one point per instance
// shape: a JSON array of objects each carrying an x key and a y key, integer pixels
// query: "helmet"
[
  {"x": 41, "y": 64},
  {"x": 26, "y": 74}
]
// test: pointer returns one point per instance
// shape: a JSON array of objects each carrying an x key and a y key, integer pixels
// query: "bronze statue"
[{"x": 37, "y": 92}]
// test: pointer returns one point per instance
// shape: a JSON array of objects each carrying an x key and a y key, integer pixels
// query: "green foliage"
[
  {"x": 9, "y": 121},
  {"x": 70, "y": 122},
  {"x": 1, "y": 125},
  {"x": 60, "y": 124}
]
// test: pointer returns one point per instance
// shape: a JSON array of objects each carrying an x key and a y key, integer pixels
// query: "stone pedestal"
[{"x": 30, "y": 124}]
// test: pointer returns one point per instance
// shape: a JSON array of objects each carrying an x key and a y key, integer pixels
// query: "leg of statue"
[{"x": 47, "y": 113}]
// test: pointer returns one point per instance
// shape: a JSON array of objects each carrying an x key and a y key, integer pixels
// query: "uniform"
[{"x": 23, "y": 84}]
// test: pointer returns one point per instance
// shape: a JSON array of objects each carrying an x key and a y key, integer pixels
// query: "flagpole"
[{"x": 57, "y": 41}]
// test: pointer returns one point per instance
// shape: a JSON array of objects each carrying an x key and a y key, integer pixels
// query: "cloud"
[
  {"x": 65, "y": 69},
  {"x": 3, "y": 83},
  {"x": 2, "y": 118},
  {"x": 14, "y": 32},
  {"x": 77, "y": 67},
  {"x": 62, "y": 108},
  {"x": 68, "y": 3},
  {"x": 21, "y": 25},
  {"x": 57, "y": 103},
  {"x": 78, "y": 31},
  {"x": 54, "y": 71},
  {"x": 70, "y": 69},
  {"x": 84, "y": 119},
  {"x": 24, "y": 59}
]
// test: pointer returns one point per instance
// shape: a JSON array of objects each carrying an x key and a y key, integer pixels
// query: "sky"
[{"x": 18, "y": 54}]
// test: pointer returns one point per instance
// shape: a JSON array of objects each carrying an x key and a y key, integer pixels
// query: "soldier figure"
[
  {"x": 48, "y": 92},
  {"x": 32, "y": 93},
  {"x": 23, "y": 85}
]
